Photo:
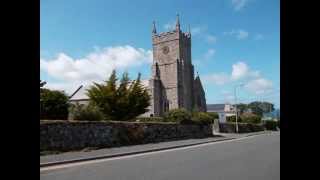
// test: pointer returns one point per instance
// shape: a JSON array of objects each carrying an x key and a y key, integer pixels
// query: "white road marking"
[{"x": 54, "y": 167}]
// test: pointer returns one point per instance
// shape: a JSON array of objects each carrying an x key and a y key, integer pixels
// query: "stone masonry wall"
[{"x": 65, "y": 136}]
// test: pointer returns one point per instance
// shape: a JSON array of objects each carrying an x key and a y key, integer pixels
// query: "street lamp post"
[{"x": 235, "y": 103}]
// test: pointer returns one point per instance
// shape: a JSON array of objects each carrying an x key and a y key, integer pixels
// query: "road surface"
[{"x": 255, "y": 157}]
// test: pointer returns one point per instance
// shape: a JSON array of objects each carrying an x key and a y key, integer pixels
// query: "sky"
[{"x": 235, "y": 43}]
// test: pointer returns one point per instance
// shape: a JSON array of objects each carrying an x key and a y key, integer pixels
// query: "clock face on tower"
[{"x": 165, "y": 50}]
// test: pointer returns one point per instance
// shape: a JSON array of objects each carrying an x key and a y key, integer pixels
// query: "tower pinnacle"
[
  {"x": 177, "y": 23},
  {"x": 154, "y": 31}
]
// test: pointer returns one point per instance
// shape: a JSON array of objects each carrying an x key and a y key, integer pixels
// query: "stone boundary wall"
[
  {"x": 243, "y": 127},
  {"x": 66, "y": 135}
]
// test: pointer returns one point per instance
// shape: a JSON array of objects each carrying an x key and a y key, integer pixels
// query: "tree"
[
  {"x": 53, "y": 105},
  {"x": 242, "y": 107},
  {"x": 123, "y": 102},
  {"x": 250, "y": 118},
  {"x": 259, "y": 108}
]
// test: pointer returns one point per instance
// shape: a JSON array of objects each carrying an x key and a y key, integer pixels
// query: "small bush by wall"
[
  {"x": 177, "y": 115},
  {"x": 149, "y": 119},
  {"x": 202, "y": 118},
  {"x": 271, "y": 125},
  {"x": 250, "y": 118},
  {"x": 82, "y": 112}
]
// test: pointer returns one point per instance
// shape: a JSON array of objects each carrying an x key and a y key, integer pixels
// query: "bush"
[
  {"x": 271, "y": 125},
  {"x": 177, "y": 115},
  {"x": 82, "y": 112},
  {"x": 202, "y": 118},
  {"x": 250, "y": 118},
  {"x": 213, "y": 115},
  {"x": 150, "y": 119},
  {"x": 232, "y": 119},
  {"x": 53, "y": 105}
]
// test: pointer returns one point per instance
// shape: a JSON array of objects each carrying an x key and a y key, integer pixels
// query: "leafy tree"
[
  {"x": 53, "y": 105},
  {"x": 123, "y": 102},
  {"x": 250, "y": 118},
  {"x": 259, "y": 108},
  {"x": 242, "y": 107}
]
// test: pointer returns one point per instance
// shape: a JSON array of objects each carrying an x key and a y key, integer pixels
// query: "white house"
[{"x": 223, "y": 110}]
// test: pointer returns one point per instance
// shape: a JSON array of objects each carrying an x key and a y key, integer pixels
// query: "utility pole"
[{"x": 235, "y": 104}]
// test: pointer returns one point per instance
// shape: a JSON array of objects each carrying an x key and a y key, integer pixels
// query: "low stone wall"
[
  {"x": 243, "y": 127},
  {"x": 65, "y": 136}
]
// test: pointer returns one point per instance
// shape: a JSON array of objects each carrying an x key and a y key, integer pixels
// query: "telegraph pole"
[{"x": 235, "y": 104}]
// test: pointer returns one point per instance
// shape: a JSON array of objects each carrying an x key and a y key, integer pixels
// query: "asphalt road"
[{"x": 252, "y": 158}]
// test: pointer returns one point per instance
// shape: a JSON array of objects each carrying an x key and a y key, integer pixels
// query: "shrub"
[
  {"x": 233, "y": 119},
  {"x": 53, "y": 105},
  {"x": 150, "y": 119},
  {"x": 250, "y": 118},
  {"x": 177, "y": 115},
  {"x": 202, "y": 118},
  {"x": 213, "y": 115},
  {"x": 82, "y": 112},
  {"x": 271, "y": 125}
]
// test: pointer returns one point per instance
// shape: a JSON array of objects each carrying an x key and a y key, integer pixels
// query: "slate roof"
[{"x": 215, "y": 107}]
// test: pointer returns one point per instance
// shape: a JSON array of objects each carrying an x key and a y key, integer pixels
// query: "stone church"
[{"x": 173, "y": 84}]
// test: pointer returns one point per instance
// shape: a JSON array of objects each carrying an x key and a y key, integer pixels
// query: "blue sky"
[{"x": 233, "y": 42}]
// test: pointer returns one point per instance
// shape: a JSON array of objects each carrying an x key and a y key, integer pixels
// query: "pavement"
[
  {"x": 255, "y": 157},
  {"x": 77, "y": 156}
]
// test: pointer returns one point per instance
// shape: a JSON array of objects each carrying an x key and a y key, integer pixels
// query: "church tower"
[{"x": 172, "y": 71}]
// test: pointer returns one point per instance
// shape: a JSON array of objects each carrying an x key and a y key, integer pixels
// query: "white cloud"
[
  {"x": 198, "y": 30},
  {"x": 205, "y": 57},
  {"x": 239, "y": 4},
  {"x": 209, "y": 54},
  {"x": 218, "y": 79},
  {"x": 259, "y": 37},
  {"x": 242, "y": 34},
  {"x": 211, "y": 38},
  {"x": 241, "y": 70},
  {"x": 96, "y": 65},
  {"x": 239, "y": 34},
  {"x": 170, "y": 26},
  {"x": 259, "y": 86}
]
